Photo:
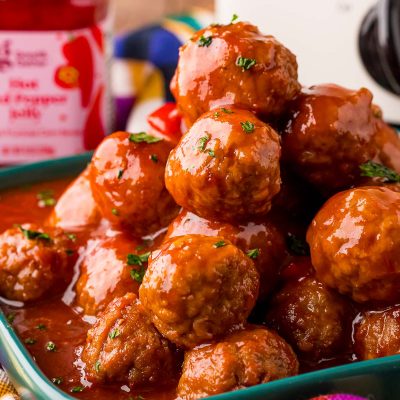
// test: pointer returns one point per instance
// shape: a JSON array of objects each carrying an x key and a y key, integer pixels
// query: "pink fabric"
[{"x": 338, "y": 397}]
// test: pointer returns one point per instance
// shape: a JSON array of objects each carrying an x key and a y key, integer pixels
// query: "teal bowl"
[{"x": 377, "y": 379}]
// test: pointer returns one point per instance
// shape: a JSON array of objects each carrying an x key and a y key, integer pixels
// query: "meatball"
[
  {"x": 127, "y": 180},
  {"x": 198, "y": 287},
  {"x": 76, "y": 208},
  {"x": 234, "y": 64},
  {"x": 261, "y": 239},
  {"x": 331, "y": 132},
  {"x": 354, "y": 244},
  {"x": 314, "y": 319},
  {"x": 33, "y": 261},
  {"x": 106, "y": 273},
  {"x": 378, "y": 334},
  {"x": 242, "y": 359},
  {"x": 226, "y": 167},
  {"x": 124, "y": 346}
]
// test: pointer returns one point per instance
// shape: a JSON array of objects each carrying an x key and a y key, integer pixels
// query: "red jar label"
[{"x": 51, "y": 93}]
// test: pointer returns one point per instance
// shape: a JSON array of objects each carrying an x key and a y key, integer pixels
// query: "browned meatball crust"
[
  {"x": 34, "y": 261},
  {"x": 378, "y": 334},
  {"x": 354, "y": 243},
  {"x": 314, "y": 319},
  {"x": 332, "y": 131},
  {"x": 242, "y": 359},
  {"x": 262, "y": 239},
  {"x": 197, "y": 287},
  {"x": 124, "y": 346},
  {"x": 226, "y": 167},
  {"x": 211, "y": 75},
  {"x": 127, "y": 180}
]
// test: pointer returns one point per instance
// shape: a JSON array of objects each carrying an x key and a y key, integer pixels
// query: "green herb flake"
[
  {"x": 120, "y": 173},
  {"x": 30, "y": 341},
  {"x": 203, "y": 142},
  {"x": 375, "y": 170},
  {"x": 216, "y": 114},
  {"x": 71, "y": 236},
  {"x": 46, "y": 198},
  {"x": 245, "y": 63},
  {"x": 114, "y": 334},
  {"x": 253, "y": 254},
  {"x": 34, "y": 235},
  {"x": 97, "y": 366},
  {"x": 221, "y": 243},
  {"x": 247, "y": 126},
  {"x": 77, "y": 389},
  {"x": 41, "y": 327},
  {"x": 51, "y": 346},
  {"x": 234, "y": 18},
  {"x": 57, "y": 381},
  {"x": 10, "y": 318},
  {"x": 115, "y": 212},
  {"x": 143, "y": 137},
  {"x": 211, "y": 153},
  {"x": 204, "y": 41},
  {"x": 135, "y": 259},
  {"x": 227, "y": 110},
  {"x": 154, "y": 158},
  {"x": 297, "y": 246},
  {"x": 138, "y": 275}
]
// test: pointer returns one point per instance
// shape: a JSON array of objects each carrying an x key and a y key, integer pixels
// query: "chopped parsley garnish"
[
  {"x": 120, "y": 173},
  {"x": 221, "y": 243},
  {"x": 115, "y": 212},
  {"x": 297, "y": 246},
  {"x": 46, "y": 198},
  {"x": 204, "y": 41},
  {"x": 203, "y": 142},
  {"x": 77, "y": 389},
  {"x": 375, "y": 170},
  {"x": 143, "y": 137},
  {"x": 227, "y": 110},
  {"x": 211, "y": 153},
  {"x": 97, "y": 366},
  {"x": 57, "y": 381},
  {"x": 234, "y": 18},
  {"x": 51, "y": 346},
  {"x": 245, "y": 63},
  {"x": 247, "y": 126},
  {"x": 71, "y": 236},
  {"x": 32, "y": 235},
  {"x": 138, "y": 275},
  {"x": 135, "y": 259},
  {"x": 41, "y": 327},
  {"x": 253, "y": 253},
  {"x": 114, "y": 334},
  {"x": 10, "y": 318},
  {"x": 154, "y": 158},
  {"x": 30, "y": 341},
  {"x": 216, "y": 114}
]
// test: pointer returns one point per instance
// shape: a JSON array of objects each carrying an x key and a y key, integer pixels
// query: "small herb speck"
[
  {"x": 204, "y": 41},
  {"x": 234, "y": 18},
  {"x": 221, "y": 243},
  {"x": 144, "y": 137},
  {"x": 51, "y": 346},
  {"x": 11, "y": 318},
  {"x": 114, "y": 334},
  {"x": 211, "y": 153},
  {"x": 227, "y": 110},
  {"x": 247, "y": 126},
  {"x": 97, "y": 366},
  {"x": 77, "y": 389},
  {"x": 30, "y": 341},
  {"x": 203, "y": 142},
  {"x": 115, "y": 212},
  {"x": 253, "y": 254},
  {"x": 154, "y": 158},
  {"x": 245, "y": 63},
  {"x": 41, "y": 327},
  {"x": 120, "y": 173},
  {"x": 57, "y": 381}
]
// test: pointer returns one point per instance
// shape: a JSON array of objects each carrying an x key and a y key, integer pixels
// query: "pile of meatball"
[{"x": 232, "y": 297}]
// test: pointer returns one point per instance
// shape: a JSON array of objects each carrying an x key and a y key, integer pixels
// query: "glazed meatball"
[
  {"x": 354, "y": 244},
  {"x": 106, "y": 273},
  {"x": 242, "y": 359},
  {"x": 76, "y": 208},
  {"x": 331, "y": 132},
  {"x": 226, "y": 167},
  {"x": 124, "y": 346},
  {"x": 378, "y": 334},
  {"x": 311, "y": 317},
  {"x": 198, "y": 287},
  {"x": 262, "y": 240},
  {"x": 234, "y": 64},
  {"x": 127, "y": 180},
  {"x": 34, "y": 261}
]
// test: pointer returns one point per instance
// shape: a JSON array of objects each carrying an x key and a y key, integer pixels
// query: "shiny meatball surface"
[
  {"x": 226, "y": 167},
  {"x": 34, "y": 261},
  {"x": 234, "y": 64},
  {"x": 197, "y": 287},
  {"x": 311, "y": 317},
  {"x": 331, "y": 132},
  {"x": 127, "y": 180},
  {"x": 105, "y": 272},
  {"x": 124, "y": 346},
  {"x": 242, "y": 359},
  {"x": 354, "y": 244},
  {"x": 378, "y": 334},
  {"x": 261, "y": 239}
]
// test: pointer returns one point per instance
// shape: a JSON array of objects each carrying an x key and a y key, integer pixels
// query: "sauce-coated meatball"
[
  {"x": 332, "y": 131},
  {"x": 354, "y": 243},
  {"x": 76, "y": 207},
  {"x": 378, "y": 334},
  {"x": 242, "y": 359},
  {"x": 105, "y": 272},
  {"x": 124, "y": 346},
  {"x": 311, "y": 317},
  {"x": 34, "y": 261},
  {"x": 127, "y": 180},
  {"x": 198, "y": 287},
  {"x": 234, "y": 64},
  {"x": 226, "y": 167},
  {"x": 262, "y": 239}
]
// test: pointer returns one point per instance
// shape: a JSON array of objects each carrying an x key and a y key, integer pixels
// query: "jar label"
[{"x": 52, "y": 87}]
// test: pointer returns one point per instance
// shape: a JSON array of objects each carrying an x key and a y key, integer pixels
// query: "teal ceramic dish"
[{"x": 377, "y": 379}]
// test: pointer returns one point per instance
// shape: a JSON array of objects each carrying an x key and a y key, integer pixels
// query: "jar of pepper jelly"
[{"x": 52, "y": 78}]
